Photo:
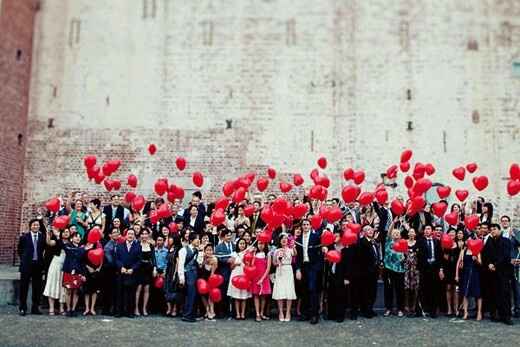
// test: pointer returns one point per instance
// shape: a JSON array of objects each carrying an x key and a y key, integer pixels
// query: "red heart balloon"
[
  {"x": 300, "y": 210},
  {"x": 202, "y": 286},
  {"x": 422, "y": 185},
  {"x": 471, "y": 167},
  {"x": 279, "y": 205},
  {"x": 285, "y": 187},
  {"x": 446, "y": 242},
  {"x": 323, "y": 181},
  {"x": 366, "y": 198},
  {"x": 129, "y": 197},
  {"x": 333, "y": 256},
  {"x": 53, "y": 205},
  {"x": 418, "y": 203},
  {"x": 400, "y": 246},
  {"x": 108, "y": 184},
  {"x": 297, "y": 180},
  {"x": 249, "y": 210},
  {"x": 215, "y": 295},
  {"x": 100, "y": 177},
  {"x": 408, "y": 182},
  {"x": 349, "y": 238},
  {"x": 354, "y": 227},
  {"x": 138, "y": 203},
  {"x": 513, "y": 187},
  {"x": 95, "y": 256},
  {"x": 461, "y": 194},
  {"x": 419, "y": 171},
  {"x": 94, "y": 235},
  {"x": 480, "y": 182},
  {"x": 397, "y": 207},
  {"x": 89, "y": 161},
  {"x": 471, "y": 222},
  {"x": 439, "y": 208},
  {"x": 239, "y": 195},
  {"x": 475, "y": 246},
  {"x": 404, "y": 166},
  {"x": 152, "y": 149},
  {"x": 327, "y": 238},
  {"x": 430, "y": 169},
  {"x": 250, "y": 272},
  {"x": 334, "y": 214},
  {"x": 322, "y": 162},
  {"x": 177, "y": 191},
  {"x": 264, "y": 237},
  {"x": 154, "y": 217},
  {"x": 359, "y": 177},
  {"x": 406, "y": 155},
  {"x": 350, "y": 193},
  {"x": 198, "y": 179},
  {"x": 61, "y": 222},
  {"x": 132, "y": 181},
  {"x": 391, "y": 172},
  {"x": 164, "y": 211},
  {"x": 158, "y": 282},
  {"x": 381, "y": 196},
  {"x": 316, "y": 221},
  {"x": 459, "y": 173},
  {"x": 314, "y": 173},
  {"x": 514, "y": 171},
  {"x": 443, "y": 191},
  {"x": 452, "y": 218},
  {"x": 160, "y": 187},
  {"x": 217, "y": 217},
  {"x": 116, "y": 184},
  {"x": 227, "y": 188},
  {"x": 180, "y": 162},
  {"x": 215, "y": 280},
  {"x": 261, "y": 184},
  {"x": 271, "y": 173},
  {"x": 348, "y": 174}
]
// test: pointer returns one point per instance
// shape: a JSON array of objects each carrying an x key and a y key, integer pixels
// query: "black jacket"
[
  {"x": 422, "y": 255},
  {"x": 26, "y": 251}
]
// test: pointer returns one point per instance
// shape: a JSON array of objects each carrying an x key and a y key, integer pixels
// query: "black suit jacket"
[
  {"x": 422, "y": 255},
  {"x": 199, "y": 221},
  {"x": 350, "y": 255},
  {"x": 128, "y": 259},
  {"x": 498, "y": 252},
  {"x": 120, "y": 213},
  {"x": 26, "y": 251},
  {"x": 314, "y": 251},
  {"x": 369, "y": 261}
]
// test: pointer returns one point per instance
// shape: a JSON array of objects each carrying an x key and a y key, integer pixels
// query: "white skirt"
[
  {"x": 233, "y": 291},
  {"x": 284, "y": 283},
  {"x": 53, "y": 285}
]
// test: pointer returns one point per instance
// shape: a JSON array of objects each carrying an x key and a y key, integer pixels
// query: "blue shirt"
[{"x": 160, "y": 258}]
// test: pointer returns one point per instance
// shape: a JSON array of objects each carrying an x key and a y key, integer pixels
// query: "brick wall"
[
  {"x": 16, "y": 33},
  {"x": 357, "y": 81}
]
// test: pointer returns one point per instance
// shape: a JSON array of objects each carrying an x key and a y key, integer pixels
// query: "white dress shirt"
[{"x": 305, "y": 241}]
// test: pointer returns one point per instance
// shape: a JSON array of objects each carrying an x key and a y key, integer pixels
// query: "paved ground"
[{"x": 159, "y": 331}]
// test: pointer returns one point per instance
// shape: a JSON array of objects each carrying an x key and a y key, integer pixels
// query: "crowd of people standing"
[{"x": 155, "y": 266}]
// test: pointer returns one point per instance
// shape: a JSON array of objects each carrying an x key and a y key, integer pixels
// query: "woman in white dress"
[
  {"x": 283, "y": 291},
  {"x": 240, "y": 295},
  {"x": 53, "y": 286}
]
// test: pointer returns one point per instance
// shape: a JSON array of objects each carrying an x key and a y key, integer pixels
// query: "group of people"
[{"x": 156, "y": 267}]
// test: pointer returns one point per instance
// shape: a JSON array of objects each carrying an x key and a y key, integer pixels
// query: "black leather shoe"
[
  {"x": 507, "y": 322},
  {"x": 130, "y": 315},
  {"x": 339, "y": 320},
  {"x": 433, "y": 315},
  {"x": 22, "y": 313},
  {"x": 315, "y": 320},
  {"x": 189, "y": 320},
  {"x": 36, "y": 312}
]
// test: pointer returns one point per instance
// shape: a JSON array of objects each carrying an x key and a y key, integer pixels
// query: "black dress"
[
  {"x": 450, "y": 265},
  {"x": 145, "y": 270},
  {"x": 93, "y": 283},
  {"x": 171, "y": 280}
]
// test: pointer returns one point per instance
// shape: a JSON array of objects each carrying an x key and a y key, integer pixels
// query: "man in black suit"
[
  {"x": 113, "y": 211},
  {"x": 350, "y": 255},
  {"x": 309, "y": 268},
  {"x": 429, "y": 259},
  {"x": 223, "y": 252},
  {"x": 336, "y": 290},
  {"x": 128, "y": 259},
  {"x": 255, "y": 219},
  {"x": 496, "y": 257},
  {"x": 370, "y": 262},
  {"x": 195, "y": 217},
  {"x": 30, "y": 250}
]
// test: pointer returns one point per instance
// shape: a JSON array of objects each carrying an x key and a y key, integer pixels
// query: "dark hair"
[
  {"x": 116, "y": 229},
  {"x": 207, "y": 246},
  {"x": 114, "y": 196},
  {"x": 453, "y": 205},
  {"x": 507, "y": 217},
  {"x": 192, "y": 237},
  {"x": 427, "y": 225},
  {"x": 224, "y": 232},
  {"x": 238, "y": 241},
  {"x": 198, "y": 194},
  {"x": 32, "y": 221},
  {"x": 489, "y": 213},
  {"x": 266, "y": 248},
  {"x": 176, "y": 238},
  {"x": 96, "y": 202},
  {"x": 494, "y": 225},
  {"x": 159, "y": 201}
]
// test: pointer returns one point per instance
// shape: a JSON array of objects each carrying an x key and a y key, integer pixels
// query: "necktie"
[
  {"x": 430, "y": 250},
  {"x": 35, "y": 246}
]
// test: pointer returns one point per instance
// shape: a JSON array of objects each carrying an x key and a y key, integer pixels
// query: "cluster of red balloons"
[
  {"x": 513, "y": 185},
  {"x": 211, "y": 287}
]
